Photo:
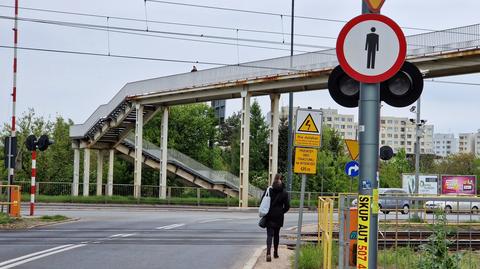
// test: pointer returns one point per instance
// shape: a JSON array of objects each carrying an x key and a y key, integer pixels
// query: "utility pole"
[
  {"x": 417, "y": 155},
  {"x": 290, "y": 111}
]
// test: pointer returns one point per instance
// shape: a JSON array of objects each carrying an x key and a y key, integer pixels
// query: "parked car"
[
  {"x": 449, "y": 206},
  {"x": 391, "y": 199}
]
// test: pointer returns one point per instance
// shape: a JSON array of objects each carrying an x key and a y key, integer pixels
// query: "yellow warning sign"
[
  {"x": 374, "y": 5},
  {"x": 353, "y": 148},
  {"x": 307, "y": 140},
  {"x": 363, "y": 231},
  {"x": 305, "y": 161},
  {"x": 308, "y": 125}
]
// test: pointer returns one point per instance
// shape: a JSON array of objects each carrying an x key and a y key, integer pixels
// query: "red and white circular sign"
[{"x": 371, "y": 48}]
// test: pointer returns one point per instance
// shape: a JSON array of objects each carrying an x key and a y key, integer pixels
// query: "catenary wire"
[
  {"x": 66, "y": 23},
  {"x": 169, "y": 22}
]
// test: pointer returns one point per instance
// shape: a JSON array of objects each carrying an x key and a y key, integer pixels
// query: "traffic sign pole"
[{"x": 369, "y": 114}]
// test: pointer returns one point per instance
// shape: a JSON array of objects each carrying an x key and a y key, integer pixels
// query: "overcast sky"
[{"x": 75, "y": 85}]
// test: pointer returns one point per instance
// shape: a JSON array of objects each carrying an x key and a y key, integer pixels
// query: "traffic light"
[{"x": 401, "y": 90}]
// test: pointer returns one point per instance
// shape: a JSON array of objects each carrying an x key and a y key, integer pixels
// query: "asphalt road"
[{"x": 138, "y": 238}]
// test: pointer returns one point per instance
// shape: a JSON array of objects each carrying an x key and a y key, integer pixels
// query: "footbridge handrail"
[{"x": 193, "y": 166}]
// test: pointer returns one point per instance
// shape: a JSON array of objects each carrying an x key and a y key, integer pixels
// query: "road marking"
[
  {"x": 213, "y": 220},
  {"x": 115, "y": 235},
  {"x": 45, "y": 253},
  {"x": 168, "y": 227},
  {"x": 33, "y": 254},
  {"x": 126, "y": 235}
]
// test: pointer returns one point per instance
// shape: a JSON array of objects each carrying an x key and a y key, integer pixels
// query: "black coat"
[{"x": 279, "y": 205}]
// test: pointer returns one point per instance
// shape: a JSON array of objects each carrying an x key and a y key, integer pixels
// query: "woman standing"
[{"x": 279, "y": 205}]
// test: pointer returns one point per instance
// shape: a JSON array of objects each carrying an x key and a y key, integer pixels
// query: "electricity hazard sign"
[
  {"x": 305, "y": 161},
  {"x": 363, "y": 231},
  {"x": 308, "y": 128}
]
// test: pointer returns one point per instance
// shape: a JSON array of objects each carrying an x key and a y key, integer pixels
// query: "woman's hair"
[{"x": 277, "y": 181}]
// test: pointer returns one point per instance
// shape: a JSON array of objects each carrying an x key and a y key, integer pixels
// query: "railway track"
[{"x": 388, "y": 239}]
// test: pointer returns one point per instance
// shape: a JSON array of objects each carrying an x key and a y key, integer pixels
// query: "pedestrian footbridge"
[{"x": 441, "y": 53}]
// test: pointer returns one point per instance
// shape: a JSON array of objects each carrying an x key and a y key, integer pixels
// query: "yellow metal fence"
[{"x": 325, "y": 229}]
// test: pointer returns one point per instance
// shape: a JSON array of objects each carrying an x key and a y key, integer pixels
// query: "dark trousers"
[
  {"x": 275, "y": 234},
  {"x": 371, "y": 58}
]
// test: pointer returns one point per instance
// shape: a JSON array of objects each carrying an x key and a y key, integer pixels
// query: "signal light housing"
[
  {"x": 404, "y": 88},
  {"x": 343, "y": 89}
]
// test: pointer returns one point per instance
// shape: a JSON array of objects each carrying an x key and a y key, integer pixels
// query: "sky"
[{"x": 73, "y": 86}]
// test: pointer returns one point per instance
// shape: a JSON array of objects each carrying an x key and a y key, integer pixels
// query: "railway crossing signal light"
[
  {"x": 386, "y": 153},
  {"x": 343, "y": 89},
  {"x": 42, "y": 143},
  {"x": 403, "y": 89}
]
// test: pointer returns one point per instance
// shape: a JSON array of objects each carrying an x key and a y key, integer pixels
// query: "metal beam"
[
  {"x": 137, "y": 181},
  {"x": 273, "y": 145},
  {"x": 163, "y": 154},
  {"x": 244, "y": 149},
  {"x": 86, "y": 171}
]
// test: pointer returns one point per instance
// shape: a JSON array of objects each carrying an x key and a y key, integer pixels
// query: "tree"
[
  {"x": 258, "y": 140},
  {"x": 391, "y": 171}
]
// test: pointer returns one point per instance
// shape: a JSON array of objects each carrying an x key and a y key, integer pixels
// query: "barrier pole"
[{"x": 32, "y": 183}]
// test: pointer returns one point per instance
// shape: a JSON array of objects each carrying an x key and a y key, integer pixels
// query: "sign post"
[
  {"x": 371, "y": 48},
  {"x": 307, "y": 141}
]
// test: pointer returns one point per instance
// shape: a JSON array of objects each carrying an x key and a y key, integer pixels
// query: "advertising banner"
[
  {"x": 428, "y": 184},
  {"x": 459, "y": 185}
]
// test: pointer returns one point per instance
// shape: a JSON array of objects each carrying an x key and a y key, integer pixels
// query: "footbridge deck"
[{"x": 441, "y": 53}]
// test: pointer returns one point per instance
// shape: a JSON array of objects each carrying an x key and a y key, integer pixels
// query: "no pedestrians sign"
[{"x": 371, "y": 48}]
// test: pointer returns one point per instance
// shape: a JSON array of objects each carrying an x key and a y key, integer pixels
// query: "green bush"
[
  {"x": 53, "y": 218},
  {"x": 5, "y": 218},
  {"x": 311, "y": 257},
  {"x": 392, "y": 258}
]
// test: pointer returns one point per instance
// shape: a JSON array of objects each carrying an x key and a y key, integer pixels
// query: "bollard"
[
  {"x": 15, "y": 201},
  {"x": 353, "y": 236}
]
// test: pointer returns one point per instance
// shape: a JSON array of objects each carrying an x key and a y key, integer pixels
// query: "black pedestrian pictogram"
[{"x": 371, "y": 46}]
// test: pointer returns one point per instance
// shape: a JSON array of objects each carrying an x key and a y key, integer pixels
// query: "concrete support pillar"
[
  {"x": 111, "y": 156},
  {"x": 99, "y": 172},
  {"x": 273, "y": 145},
  {"x": 244, "y": 148},
  {"x": 76, "y": 171},
  {"x": 163, "y": 154},
  {"x": 86, "y": 171},
  {"x": 137, "y": 181}
]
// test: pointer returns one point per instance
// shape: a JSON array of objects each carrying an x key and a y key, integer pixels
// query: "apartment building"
[
  {"x": 445, "y": 144},
  {"x": 400, "y": 133},
  {"x": 466, "y": 142}
]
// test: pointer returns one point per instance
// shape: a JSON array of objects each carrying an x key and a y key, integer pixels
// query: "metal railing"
[
  {"x": 325, "y": 229},
  {"x": 406, "y": 230},
  {"x": 192, "y": 166}
]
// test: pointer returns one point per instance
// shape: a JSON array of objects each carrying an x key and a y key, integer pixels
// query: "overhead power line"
[
  {"x": 134, "y": 57},
  {"x": 267, "y": 13},
  {"x": 169, "y": 22},
  {"x": 453, "y": 82},
  {"x": 106, "y": 27}
]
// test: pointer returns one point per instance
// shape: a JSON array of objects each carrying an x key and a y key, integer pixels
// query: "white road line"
[
  {"x": 126, "y": 235},
  {"x": 115, "y": 235},
  {"x": 40, "y": 256},
  {"x": 33, "y": 254},
  {"x": 213, "y": 220},
  {"x": 168, "y": 227}
]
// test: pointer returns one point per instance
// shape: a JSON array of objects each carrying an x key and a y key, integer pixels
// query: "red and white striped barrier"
[{"x": 32, "y": 184}]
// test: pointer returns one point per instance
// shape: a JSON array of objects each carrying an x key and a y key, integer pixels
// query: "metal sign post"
[
  {"x": 371, "y": 48},
  {"x": 307, "y": 141}
]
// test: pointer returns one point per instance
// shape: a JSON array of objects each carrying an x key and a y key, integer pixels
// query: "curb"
[
  {"x": 54, "y": 223},
  {"x": 250, "y": 264}
]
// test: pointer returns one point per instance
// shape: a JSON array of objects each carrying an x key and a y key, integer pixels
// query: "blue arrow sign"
[{"x": 352, "y": 169}]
